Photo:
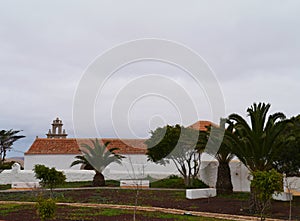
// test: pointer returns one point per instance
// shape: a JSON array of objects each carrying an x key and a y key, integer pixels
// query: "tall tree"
[
  {"x": 97, "y": 157},
  {"x": 287, "y": 158},
  {"x": 7, "y": 139},
  {"x": 220, "y": 142},
  {"x": 257, "y": 144},
  {"x": 224, "y": 156},
  {"x": 179, "y": 145}
]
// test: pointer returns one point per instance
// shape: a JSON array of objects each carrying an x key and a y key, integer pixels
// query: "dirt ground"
[
  {"x": 165, "y": 199},
  {"x": 177, "y": 200}
]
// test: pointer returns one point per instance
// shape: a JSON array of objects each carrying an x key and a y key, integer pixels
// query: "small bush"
[
  {"x": 264, "y": 184},
  {"x": 49, "y": 177},
  {"x": 46, "y": 208},
  {"x": 177, "y": 183}
]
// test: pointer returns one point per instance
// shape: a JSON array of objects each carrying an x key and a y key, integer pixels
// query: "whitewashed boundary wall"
[
  {"x": 239, "y": 174},
  {"x": 18, "y": 175}
]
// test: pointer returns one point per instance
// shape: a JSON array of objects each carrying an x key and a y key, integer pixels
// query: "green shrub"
[
  {"x": 49, "y": 177},
  {"x": 264, "y": 184},
  {"x": 46, "y": 208},
  {"x": 178, "y": 183}
]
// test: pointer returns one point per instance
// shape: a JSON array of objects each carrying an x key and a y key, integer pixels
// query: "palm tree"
[
  {"x": 98, "y": 158},
  {"x": 257, "y": 144},
  {"x": 216, "y": 138},
  {"x": 224, "y": 156},
  {"x": 7, "y": 138}
]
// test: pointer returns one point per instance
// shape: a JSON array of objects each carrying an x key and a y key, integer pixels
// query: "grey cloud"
[{"x": 252, "y": 46}]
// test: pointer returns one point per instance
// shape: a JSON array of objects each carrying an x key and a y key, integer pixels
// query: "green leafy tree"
[
  {"x": 287, "y": 158},
  {"x": 97, "y": 157},
  {"x": 264, "y": 184},
  {"x": 179, "y": 145},
  {"x": 257, "y": 144},
  {"x": 7, "y": 139},
  {"x": 49, "y": 178}
]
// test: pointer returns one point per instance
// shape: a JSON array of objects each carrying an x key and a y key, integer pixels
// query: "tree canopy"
[
  {"x": 49, "y": 177},
  {"x": 97, "y": 157},
  {"x": 287, "y": 158},
  {"x": 7, "y": 139},
  {"x": 177, "y": 144},
  {"x": 257, "y": 144}
]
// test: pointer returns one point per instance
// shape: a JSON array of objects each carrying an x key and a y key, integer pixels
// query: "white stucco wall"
[
  {"x": 132, "y": 165},
  {"x": 240, "y": 176},
  {"x": 59, "y": 161},
  {"x": 17, "y": 175},
  {"x": 137, "y": 166},
  {"x": 141, "y": 168}
]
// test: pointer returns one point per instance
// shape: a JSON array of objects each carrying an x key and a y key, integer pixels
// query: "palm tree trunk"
[
  {"x": 98, "y": 179},
  {"x": 224, "y": 184}
]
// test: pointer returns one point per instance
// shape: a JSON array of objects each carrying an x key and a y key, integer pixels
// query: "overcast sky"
[{"x": 45, "y": 47}]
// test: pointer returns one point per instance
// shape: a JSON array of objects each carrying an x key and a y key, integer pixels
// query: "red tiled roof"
[
  {"x": 72, "y": 146},
  {"x": 202, "y": 125}
]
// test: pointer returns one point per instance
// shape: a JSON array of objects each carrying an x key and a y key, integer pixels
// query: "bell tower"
[{"x": 57, "y": 131}]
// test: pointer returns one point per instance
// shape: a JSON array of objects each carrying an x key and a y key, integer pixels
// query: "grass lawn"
[
  {"x": 5, "y": 187},
  {"x": 236, "y": 203},
  {"x": 176, "y": 183},
  {"x": 28, "y": 212},
  {"x": 172, "y": 182},
  {"x": 109, "y": 183}
]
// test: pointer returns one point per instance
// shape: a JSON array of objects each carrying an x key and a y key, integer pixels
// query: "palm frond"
[{"x": 98, "y": 155}]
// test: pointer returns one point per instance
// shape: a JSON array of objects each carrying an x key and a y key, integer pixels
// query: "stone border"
[{"x": 153, "y": 209}]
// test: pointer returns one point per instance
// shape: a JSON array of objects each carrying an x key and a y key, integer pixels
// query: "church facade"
[{"x": 59, "y": 151}]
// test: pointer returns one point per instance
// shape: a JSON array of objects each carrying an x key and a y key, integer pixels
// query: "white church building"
[{"x": 59, "y": 151}]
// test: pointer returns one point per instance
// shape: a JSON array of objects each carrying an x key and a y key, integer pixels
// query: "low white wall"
[
  {"x": 240, "y": 176},
  {"x": 137, "y": 167},
  {"x": 17, "y": 175},
  {"x": 200, "y": 193},
  {"x": 208, "y": 173},
  {"x": 292, "y": 183},
  {"x": 59, "y": 161}
]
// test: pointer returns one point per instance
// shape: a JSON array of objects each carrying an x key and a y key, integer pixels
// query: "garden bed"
[
  {"x": 235, "y": 204},
  {"x": 13, "y": 212}
]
